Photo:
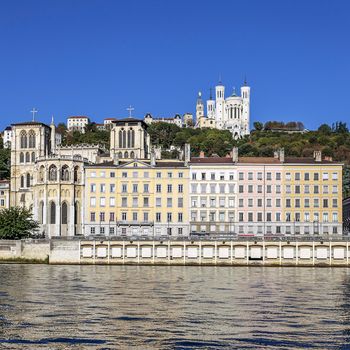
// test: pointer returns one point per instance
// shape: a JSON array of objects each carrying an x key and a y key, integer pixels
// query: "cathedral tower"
[
  {"x": 220, "y": 103},
  {"x": 245, "y": 94},
  {"x": 199, "y": 107},
  {"x": 211, "y": 107}
]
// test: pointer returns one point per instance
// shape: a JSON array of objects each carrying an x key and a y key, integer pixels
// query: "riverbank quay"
[{"x": 252, "y": 251}]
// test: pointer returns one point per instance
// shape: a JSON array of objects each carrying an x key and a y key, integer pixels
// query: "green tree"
[
  {"x": 5, "y": 157},
  {"x": 17, "y": 223},
  {"x": 325, "y": 129},
  {"x": 258, "y": 126}
]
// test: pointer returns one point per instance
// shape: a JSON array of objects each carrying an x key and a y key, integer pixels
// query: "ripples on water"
[{"x": 146, "y": 307}]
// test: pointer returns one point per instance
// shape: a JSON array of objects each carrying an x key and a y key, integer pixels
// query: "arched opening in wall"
[
  {"x": 64, "y": 214},
  {"x": 21, "y": 157},
  {"x": 65, "y": 173},
  {"x": 76, "y": 213},
  {"x": 76, "y": 174},
  {"x": 52, "y": 213},
  {"x": 132, "y": 138},
  {"x": 23, "y": 139},
  {"x": 31, "y": 138},
  {"x": 41, "y": 212},
  {"x": 124, "y": 138},
  {"x": 22, "y": 181},
  {"x": 28, "y": 180},
  {"x": 33, "y": 157},
  {"x": 53, "y": 173},
  {"x": 120, "y": 155},
  {"x": 120, "y": 139},
  {"x": 132, "y": 154},
  {"x": 41, "y": 173},
  {"x": 126, "y": 155},
  {"x": 27, "y": 157},
  {"x": 129, "y": 138}
]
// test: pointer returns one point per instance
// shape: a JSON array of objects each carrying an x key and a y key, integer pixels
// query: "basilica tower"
[{"x": 199, "y": 107}]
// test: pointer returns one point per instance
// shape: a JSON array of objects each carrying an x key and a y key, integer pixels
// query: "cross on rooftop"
[
  {"x": 33, "y": 111},
  {"x": 130, "y": 109}
]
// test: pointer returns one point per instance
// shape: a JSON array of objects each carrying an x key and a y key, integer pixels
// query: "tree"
[
  {"x": 17, "y": 223},
  {"x": 258, "y": 126},
  {"x": 5, "y": 157},
  {"x": 325, "y": 129}
]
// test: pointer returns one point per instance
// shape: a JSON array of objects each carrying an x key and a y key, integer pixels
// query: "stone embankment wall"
[
  {"x": 25, "y": 250},
  {"x": 174, "y": 252}
]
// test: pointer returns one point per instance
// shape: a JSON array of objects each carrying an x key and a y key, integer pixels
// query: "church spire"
[{"x": 52, "y": 120}]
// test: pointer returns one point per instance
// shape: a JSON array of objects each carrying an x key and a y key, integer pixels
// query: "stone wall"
[{"x": 24, "y": 250}]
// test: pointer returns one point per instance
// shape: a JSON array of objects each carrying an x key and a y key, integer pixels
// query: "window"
[
  {"x": 112, "y": 188},
  {"x": 307, "y": 217},
  {"x": 170, "y": 175},
  {"x": 194, "y": 176},
  {"x": 92, "y": 201},
  {"x": 102, "y": 216},
  {"x": 288, "y": 176},
  {"x": 135, "y": 202},
  {"x": 112, "y": 174},
  {"x": 335, "y": 217},
  {"x": 325, "y": 203},
  {"x": 278, "y": 176},
  {"x": 102, "y": 188},
  {"x": 145, "y": 202},
  {"x": 92, "y": 216},
  {"x": 259, "y": 202},
  {"x": 181, "y": 175},
  {"x": 250, "y": 217},
  {"x": 179, "y": 217},
  {"x": 92, "y": 188},
  {"x": 335, "y": 203},
  {"x": 158, "y": 188},
  {"x": 297, "y": 176},
  {"x": 250, "y": 188},
  {"x": 92, "y": 230},
  {"x": 231, "y": 202},
  {"x": 250, "y": 176},
  {"x": 306, "y": 176},
  {"x": 260, "y": 177},
  {"x": 180, "y": 188},
  {"x": 102, "y": 201},
  {"x": 306, "y": 189},
  {"x": 316, "y": 202},
  {"x": 259, "y": 217},
  {"x": 180, "y": 202},
  {"x": 240, "y": 176},
  {"x": 241, "y": 216},
  {"x": 316, "y": 189},
  {"x": 124, "y": 188},
  {"x": 146, "y": 174},
  {"x": 316, "y": 176},
  {"x": 159, "y": 175},
  {"x": 325, "y": 217},
  {"x": 124, "y": 174},
  {"x": 158, "y": 217},
  {"x": 297, "y": 202},
  {"x": 268, "y": 189},
  {"x": 334, "y": 176},
  {"x": 124, "y": 202},
  {"x": 288, "y": 203},
  {"x": 334, "y": 189},
  {"x": 158, "y": 202},
  {"x": 134, "y": 188},
  {"x": 278, "y": 216},
  {"x": 135, "y": 174},
  {"x": 169, "y": 202},
  {"x": 307, "y": 203},
  {"x": 145, "y": 188},
  {"x": 134, "y": 216},
  {"x": 170, "y": 188},
  {"x": 203, "y": 176},
  {"x": 169, "y": 217},
  {"x": 288, "y": 188},
  {"x": 222, "y": 202},
  {"x": 145, "y": 217},
  {"x": 123, "y": 216},
  {"x": 278, "y": 202},
  {"x": 268, "y": 217},
  {"x": 268, "y": 176},
  {"x": 111, "y": 216},
  {"x": 112, "y": 201},
  {"x": 269, "y": 203},
  {"x": 240, "y": 202},
  {"x": 278, "y": 188},
  {"x": 259, "y": 188},
  {"x": 111, "y": 230},
  {"x": 297, "y": 189},
  {"x": 325, "y": 176}
]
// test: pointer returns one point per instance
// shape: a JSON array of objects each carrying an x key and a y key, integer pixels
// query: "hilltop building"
[
  {"x": 228, "y": 113},
  {"x": 77, "y": 123}
]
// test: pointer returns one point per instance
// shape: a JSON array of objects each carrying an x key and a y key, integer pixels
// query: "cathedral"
[{"x": 226, "y": 113}]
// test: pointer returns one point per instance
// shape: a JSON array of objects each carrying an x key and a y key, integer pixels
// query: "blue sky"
[{"x": 96, "y": 57}]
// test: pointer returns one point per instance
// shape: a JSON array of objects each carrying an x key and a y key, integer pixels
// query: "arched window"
[
  {"x": 120, "y": 139},
  {"x": 120, "y": 155},
  {"x": 22, "y": 181},
  {"x": 76, "y": 174},
  {"x": 129, "y": 138},
  {"x": 53, "y": 173},
  {"x": 33, "y": 157},
  {"x": 76, "y": 213},
  {"x": 41, "y": 212},
  {"x": 52, "y": 213},
  {"x": 65, "y": 173},
  {"x": 28, "y": 180},
  {"x": 21, "y": 157},
  {"x": 126, "y": 155},
  {"x": 27, "y": 157},
  {"x": 124, "y": 138},
  {"x": 31, "y": 139},
  {"x": 132, "y": 138},
  {"x": 132, "y": 155},
  {"x": 23, "y": 138},
  {"x": 64, "y": 219}
]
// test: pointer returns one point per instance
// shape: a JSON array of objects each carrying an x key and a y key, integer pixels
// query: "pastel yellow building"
[
  {"x": 4, "y": 194},
  {"x": 139, "y": 197},
  {"x": 312, "y": 196}
]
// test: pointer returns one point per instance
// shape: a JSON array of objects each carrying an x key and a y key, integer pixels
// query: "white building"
[
  {"x": 177, "y": 120},
  {"x": 230, "y": 113},
  {"x": 77, "y": 123},
  {"x": 7, "y": 137}
]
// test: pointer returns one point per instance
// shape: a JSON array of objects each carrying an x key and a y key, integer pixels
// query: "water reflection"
[{"x": 145, "y": 307}]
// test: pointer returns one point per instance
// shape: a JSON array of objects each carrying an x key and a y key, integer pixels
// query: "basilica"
[{"x": 228, "y": 113}]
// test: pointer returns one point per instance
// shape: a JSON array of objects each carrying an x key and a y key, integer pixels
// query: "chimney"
[
  {"x": 201, "y": 154},
  {"x": 235, "y": 154},
  {"x": 318, "y": 156},
  {"x": 328, "y": 158},
  {"x": 115, "y": 159},
  {"x": 281, "y": 155},
  {"x": 187, "y": 153},
  {"x": 153, "y": 157}
]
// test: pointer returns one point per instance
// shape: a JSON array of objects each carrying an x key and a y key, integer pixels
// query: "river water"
[{"x": 169, "y": 307}]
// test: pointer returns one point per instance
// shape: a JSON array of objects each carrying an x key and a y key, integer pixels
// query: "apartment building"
[{"x": 140, "y": 197}]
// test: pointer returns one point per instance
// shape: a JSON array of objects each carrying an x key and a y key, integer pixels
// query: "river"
[{"x": 173, "y": 307}]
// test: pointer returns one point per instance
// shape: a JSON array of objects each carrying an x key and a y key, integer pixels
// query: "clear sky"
[{"x": 95, "y": 57}]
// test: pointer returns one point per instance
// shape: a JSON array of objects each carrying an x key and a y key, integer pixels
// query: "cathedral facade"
[{"x": 227, "y": 113}]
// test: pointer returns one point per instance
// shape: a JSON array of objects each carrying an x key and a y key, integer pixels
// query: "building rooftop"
[{"x": 29, "y": 123}]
